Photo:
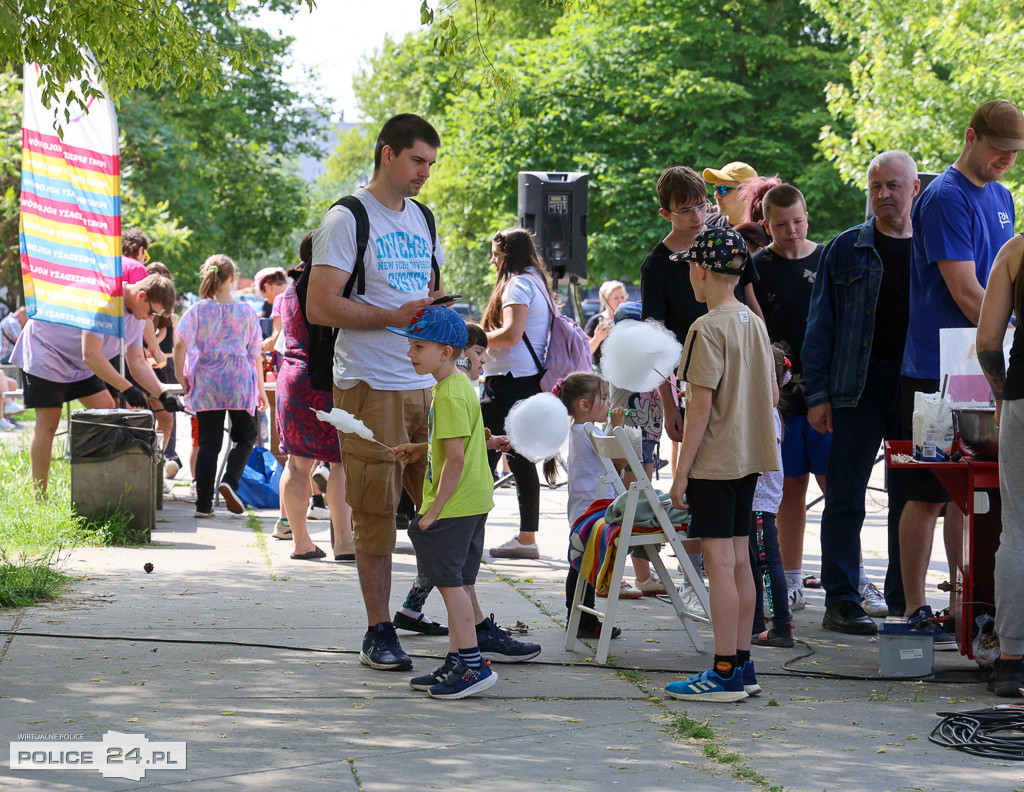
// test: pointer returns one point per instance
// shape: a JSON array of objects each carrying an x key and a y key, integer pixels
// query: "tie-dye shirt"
[{"x": 222, "y": 341}]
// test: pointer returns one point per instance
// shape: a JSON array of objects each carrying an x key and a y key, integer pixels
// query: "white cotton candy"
[
  {"x": 639, "y": 356},
  {"x": 538, "y": 426},
  {"x": 346, "y": 422}
]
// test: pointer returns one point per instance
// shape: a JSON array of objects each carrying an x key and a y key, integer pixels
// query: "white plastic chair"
[{"x": 618, "y": 446}]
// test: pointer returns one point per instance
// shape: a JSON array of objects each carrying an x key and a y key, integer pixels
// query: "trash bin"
[{"x": 114, "y": 459}]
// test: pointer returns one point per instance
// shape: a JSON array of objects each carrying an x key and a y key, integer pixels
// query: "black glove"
[
  {"x": 171, "y": 402},
  {"x": 135, "y": 397}
]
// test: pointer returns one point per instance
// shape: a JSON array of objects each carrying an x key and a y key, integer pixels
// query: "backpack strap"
[
  {"x": 432, "y": 227},
  {"x": 358, "y": 279},
  {"x": 551, "y": 324}
]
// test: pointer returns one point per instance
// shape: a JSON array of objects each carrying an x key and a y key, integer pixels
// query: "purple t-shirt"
[{"x": 54, "y": 351}]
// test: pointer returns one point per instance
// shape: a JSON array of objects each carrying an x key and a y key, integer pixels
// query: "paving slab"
[{"x": 252, "y": 659}]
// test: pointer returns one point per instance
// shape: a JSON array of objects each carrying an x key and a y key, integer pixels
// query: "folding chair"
[{"x": 618, "y": 447}]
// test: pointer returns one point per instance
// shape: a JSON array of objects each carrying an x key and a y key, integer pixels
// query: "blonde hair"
[
  {"x": 605, "y": 292},
  {"x": 216, "y": 270}
]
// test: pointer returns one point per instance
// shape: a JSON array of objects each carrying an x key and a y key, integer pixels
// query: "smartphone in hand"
[{"x": 446, "y": 299}]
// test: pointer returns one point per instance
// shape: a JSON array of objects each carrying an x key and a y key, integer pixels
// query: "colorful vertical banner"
[{"x": 71, "y": 210}]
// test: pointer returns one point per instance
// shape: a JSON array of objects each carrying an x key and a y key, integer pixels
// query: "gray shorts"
[{"x": 448, "y": 553}]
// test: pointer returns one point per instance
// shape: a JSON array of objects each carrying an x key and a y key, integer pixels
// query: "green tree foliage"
[
  {"x": 224, "y": 165},
  {"x": 10, "y": 184},
  {"x": 918, "y": 71},
  {"x": 349, "y": 165},
  {"x": 621, "y": 95},
  {"x": 138, "y": 43}
]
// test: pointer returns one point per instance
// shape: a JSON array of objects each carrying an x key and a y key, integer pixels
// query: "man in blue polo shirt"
[{"x": 960, "y": 222}]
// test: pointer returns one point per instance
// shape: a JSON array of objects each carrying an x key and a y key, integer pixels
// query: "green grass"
[
  {"x": 34, "y": 533},
  {"x": 25, "y": 583}
]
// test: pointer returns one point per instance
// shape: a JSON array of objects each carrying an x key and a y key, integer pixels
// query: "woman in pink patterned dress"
[
  {"x": 303, "y": 436},
  {"x": 217, "y": 361}
]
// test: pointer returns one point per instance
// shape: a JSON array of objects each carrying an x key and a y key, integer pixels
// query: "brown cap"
[
  {"x": 734, "y": 171},
  {"x": 1001, "y": 123}
]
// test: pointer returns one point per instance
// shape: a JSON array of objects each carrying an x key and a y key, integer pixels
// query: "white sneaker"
[
  {"x": 321, "y": 475},
  {"x": 689, "y": 597},
  {"x": 7, "y": 426},
  {"x": 626, "y": 591},
  {"x": 872, "y": 601},
  {"x": 796, "y": 598},
  {"x": 281, "y": 530},
  {"x": 652, "y": 586},
  {"x": 12, "y": 407},
  {"x": 318, "y": 513},
  {"x": 513, "y": 548},
  {"x": 171, "y": 468}
]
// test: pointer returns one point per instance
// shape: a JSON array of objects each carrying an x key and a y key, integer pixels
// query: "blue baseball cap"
[
  {"x": 437, "y": 323},
  {"x": 628, "y": 310}
]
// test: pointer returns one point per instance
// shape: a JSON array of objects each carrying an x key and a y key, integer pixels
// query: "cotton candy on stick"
[
  {"x": 638, "y": 356},
  {"x": 346, "y": 422},
  {"x": 537, "y": 426}
]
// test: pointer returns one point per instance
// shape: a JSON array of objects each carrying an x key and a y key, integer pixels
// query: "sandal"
[
  {"x": 782, "y": 640},
  {"x": 810, "y": 581}
]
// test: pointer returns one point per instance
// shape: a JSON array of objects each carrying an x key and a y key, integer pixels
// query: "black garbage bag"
[{"x": 101, "y": 435}]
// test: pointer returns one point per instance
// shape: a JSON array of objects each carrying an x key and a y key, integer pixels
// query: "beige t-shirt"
[{"x": 728, "y": 351}]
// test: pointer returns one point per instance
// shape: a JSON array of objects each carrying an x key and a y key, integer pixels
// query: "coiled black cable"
[{"x": 996, "y": 733}]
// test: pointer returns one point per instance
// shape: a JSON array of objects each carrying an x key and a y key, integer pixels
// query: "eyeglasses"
[
  {"x": 699, "y": 209},
  {"x": 724, "y": 189}
]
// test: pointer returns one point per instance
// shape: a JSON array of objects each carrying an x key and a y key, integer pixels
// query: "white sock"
[
  {"x": 795, "y": 578},
  {"x": 863, "y": 580}
]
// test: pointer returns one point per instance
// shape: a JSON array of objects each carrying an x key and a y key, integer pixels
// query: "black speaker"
[{"x": 553, "y": 207}]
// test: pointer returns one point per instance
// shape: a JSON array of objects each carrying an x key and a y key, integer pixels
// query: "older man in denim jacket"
[{"x": 856, "y": 330}]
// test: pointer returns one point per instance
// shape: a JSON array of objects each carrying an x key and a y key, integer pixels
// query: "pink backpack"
[{"x": 568, "y": 346}]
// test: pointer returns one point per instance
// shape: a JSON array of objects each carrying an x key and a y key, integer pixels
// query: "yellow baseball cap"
[{"x": 734, "y": 171}]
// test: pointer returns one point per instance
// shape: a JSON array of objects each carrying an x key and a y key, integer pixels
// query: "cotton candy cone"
[
  {"x": 538, "y": 426},
  {"x": 638, "y": 356}
]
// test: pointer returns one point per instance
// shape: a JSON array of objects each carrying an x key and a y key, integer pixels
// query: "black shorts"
[
  {"x": 720, "y": 509},
  {"x": 43, "y": 393},
  {"x": 448, "y": 553},
  {"x": 920, "y": 485}
]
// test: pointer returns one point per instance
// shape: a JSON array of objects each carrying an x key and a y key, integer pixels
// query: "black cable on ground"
[
  {"x": 561, "y": 664},
  {"x": 996, "y": 733}
]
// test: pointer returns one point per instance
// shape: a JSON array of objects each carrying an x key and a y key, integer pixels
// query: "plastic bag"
[
  {"x": 102, "y": 435},
  {"x": 933, "y": 427},
  {"x": 261, "y": 480}
]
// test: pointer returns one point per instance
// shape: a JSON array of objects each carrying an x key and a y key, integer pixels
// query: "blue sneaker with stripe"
[
  {"x": 462, "y": 682},
  {"x": 709, "y": 686}
]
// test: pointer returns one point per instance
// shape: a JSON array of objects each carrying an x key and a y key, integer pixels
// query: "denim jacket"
[{"x": 841, "y": 322}]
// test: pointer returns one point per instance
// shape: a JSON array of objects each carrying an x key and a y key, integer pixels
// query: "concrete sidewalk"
[{"x": 252, "y": 659}]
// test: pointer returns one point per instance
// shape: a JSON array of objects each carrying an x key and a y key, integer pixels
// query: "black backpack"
[{"x": 321, "y": 338}]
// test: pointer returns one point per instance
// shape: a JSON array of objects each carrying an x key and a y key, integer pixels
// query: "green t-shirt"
[{"x": 455, "y": 412}]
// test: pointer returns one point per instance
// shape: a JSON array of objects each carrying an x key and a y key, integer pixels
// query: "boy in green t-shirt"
[{"x": 448, "y": 532}]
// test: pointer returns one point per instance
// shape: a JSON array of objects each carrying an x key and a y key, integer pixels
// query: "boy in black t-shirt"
[{"x": 787, "y": 268}]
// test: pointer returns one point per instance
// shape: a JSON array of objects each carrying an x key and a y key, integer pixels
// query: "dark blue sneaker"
[
  {"x": 750, "y": 684},
  {"x": 709, "y": 686},
  {"x": 500, "y": 647},
  {"x": 382, "y": 651},
  {"x": 462, "y": 682},
  {"x": 435, "y": 677}
]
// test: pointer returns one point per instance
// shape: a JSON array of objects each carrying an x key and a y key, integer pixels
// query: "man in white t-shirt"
[{"x": 373, "y": 377}]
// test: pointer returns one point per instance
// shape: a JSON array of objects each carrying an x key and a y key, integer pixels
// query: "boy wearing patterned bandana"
[{"x": 728, "y": 440}]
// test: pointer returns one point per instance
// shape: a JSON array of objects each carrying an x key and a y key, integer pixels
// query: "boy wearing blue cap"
[
  {"x": 728, "y": 440},
  {"x": 448, "y": 532}
]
